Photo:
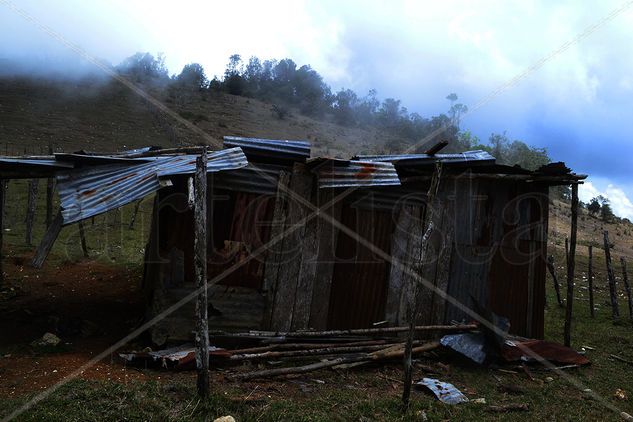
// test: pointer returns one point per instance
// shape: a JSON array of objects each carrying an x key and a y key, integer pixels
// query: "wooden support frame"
[{"x": 48, "y": 241}]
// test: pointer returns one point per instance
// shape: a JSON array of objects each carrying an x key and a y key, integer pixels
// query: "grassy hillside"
[{"x": 97, "y": 114}]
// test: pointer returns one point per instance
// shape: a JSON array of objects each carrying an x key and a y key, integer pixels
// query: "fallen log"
[
  {"x": 362, "y": 331},
  {"x": 307, "y": 352},
  {"x": 385, "y": 354},
  {"x": 514, "y": 407}
]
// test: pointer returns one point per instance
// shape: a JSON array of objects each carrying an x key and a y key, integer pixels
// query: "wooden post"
[
  {"x": 82, "y": 239},
  {"x": 134, "y": 214},
  {"x": 2, "y": 194},
  {"x": 47, "y": 242},
  {"x": 552, "y": 271},
  {"x": 200, "y": 263},
  {"x": 627, "y": 287},
  {"x": 590, "y": 277},
  {"x": 50, "y": 188},
  {"x": 30, "y": 210},
  {"x": 612, "y": 288},
  {"x": 571, "y": 263},
  {"x": 417, "y": 288}
]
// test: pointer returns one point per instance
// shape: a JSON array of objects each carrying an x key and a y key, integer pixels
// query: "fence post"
[
  {"x": 612, "y": 288},
  {"x": 571, "y": 263},
  {"x": 552, "y": 271},
  {"x": 200, "y": 262}
]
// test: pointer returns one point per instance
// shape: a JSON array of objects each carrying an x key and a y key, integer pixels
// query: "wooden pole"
[
  {"x": 50, "y": 189},
  {"x": 612, "y": 288},
  {"x": 82, "y": 239},
  {"x": 590, "y": 277},
  {"x": 2, "y": 195},
  {"x": 417, "y": 288},
  {"x": 134, "y": 214},
  {"x": 627, "y": 287},
  {"x": 47, "y": 242},
  {"x": 30, "y": 210},
  {"x": 200, "y": 263},
  {"x": 571, "y": 263},
  {"x": 552, "y": 271}
]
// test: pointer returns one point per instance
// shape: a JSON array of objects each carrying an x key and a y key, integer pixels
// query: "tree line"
[{"x": 290, "y": 87}]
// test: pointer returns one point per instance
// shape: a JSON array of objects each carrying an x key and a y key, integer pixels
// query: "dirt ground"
[{"x": 87, "y": 304}]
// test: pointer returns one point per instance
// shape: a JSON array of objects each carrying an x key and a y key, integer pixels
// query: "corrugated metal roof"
[
  {"x": 337, "y": 174},
  {"x": 96, "y": 190},
  {"x": 270, "y": 148},
  {"x": 33, "y": 161},
  {"x": 254, "y": 178},
  {"x": 413, "y": 160}
]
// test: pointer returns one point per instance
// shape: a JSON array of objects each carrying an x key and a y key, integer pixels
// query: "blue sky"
[{"x": 578, "y": 104}]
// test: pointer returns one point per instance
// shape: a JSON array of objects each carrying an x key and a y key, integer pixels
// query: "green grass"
[
  {"x": 108, "y": 236},
  {"x": 369, "y": 394}
]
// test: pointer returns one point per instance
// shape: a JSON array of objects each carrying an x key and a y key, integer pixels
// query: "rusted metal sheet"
[
  {"x": 270, "y": 148},
  {"x": 478, "y": 157},
  {"x": 359, "y": 283},
  {"x": 95, "y": 190},
  {"x": 534, "y": 350},
  {"x": 337, "y": 174}
]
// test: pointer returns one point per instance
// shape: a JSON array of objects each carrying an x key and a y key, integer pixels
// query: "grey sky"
[{"x": 579, "y": 105}]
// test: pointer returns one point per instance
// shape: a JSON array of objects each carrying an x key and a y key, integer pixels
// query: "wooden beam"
[
  {"x": 552, "y": 271},
  {"x": 47, "y": 242},
  {"x": 611, "y": 275},
  {"x": 571, "y": 264},
  {"x": 200, "y": 267},
  {"x": 436, "y": 148}
]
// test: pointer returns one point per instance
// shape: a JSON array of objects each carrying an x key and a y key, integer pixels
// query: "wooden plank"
[
  {"x": 47, "y": 242},
  {"x": 323, "y": 270},
  {"x": 30, "y": 210},
  {"x": 571, "y": 264},
  {"x": 273, "y": 260},
  {"x": 404, "y": 236},
  {"x": 590, "y": 279},
  {"x": 627, "y": 287},
  {"x": 200, "y": 267},
  {"x": 611, "y": 276},
  {"x": 287, "y": 282}
]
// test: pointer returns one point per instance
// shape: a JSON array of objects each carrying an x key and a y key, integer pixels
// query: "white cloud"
[{"x": 620, "y": 202}]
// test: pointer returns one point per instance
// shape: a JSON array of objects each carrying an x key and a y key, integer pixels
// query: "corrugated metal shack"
[
  {"x": 298, "y": 270},
  {"x": 489, "y": 241}
]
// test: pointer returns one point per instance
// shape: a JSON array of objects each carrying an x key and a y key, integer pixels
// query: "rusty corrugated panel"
[
  {"x": 359, "y": 281},
  {"x": 95, "y": 190},
  {"x": 270, "y": 148},
  {"x": 478, "y": 157},
  {"x": 337, "y": 174}
]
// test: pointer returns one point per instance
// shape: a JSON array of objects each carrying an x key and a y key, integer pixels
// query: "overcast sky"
[{"x": 578, "y": 104}]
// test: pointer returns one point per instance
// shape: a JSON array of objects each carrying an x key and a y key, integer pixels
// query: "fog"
[{"x": 578, "y": 104}]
